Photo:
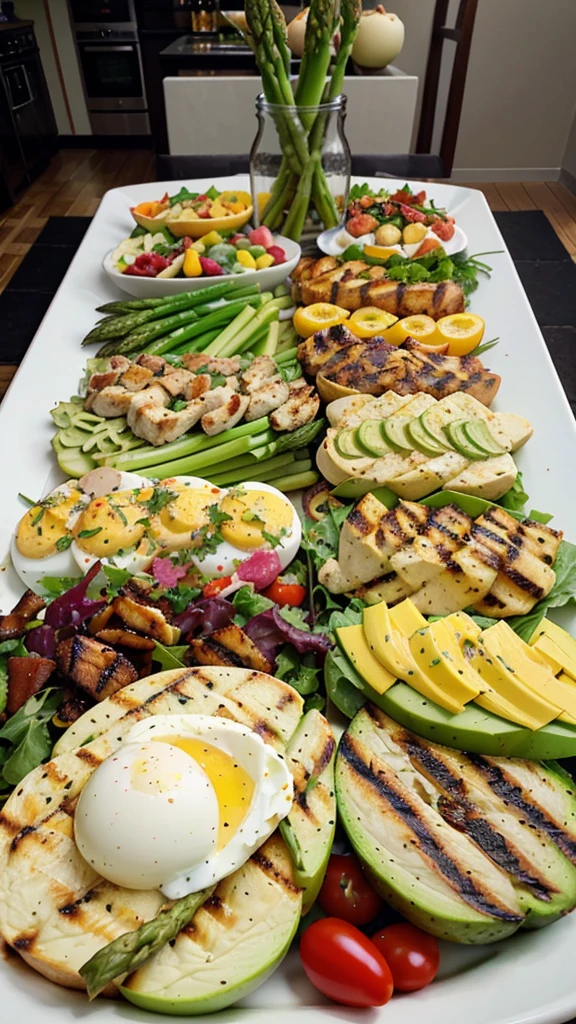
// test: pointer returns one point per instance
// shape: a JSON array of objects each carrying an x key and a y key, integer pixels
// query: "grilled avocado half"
[{"x": 468, "y": 847}]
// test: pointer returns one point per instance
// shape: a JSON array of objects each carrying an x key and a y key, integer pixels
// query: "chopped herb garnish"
[
  {"x": 90, "y": 533},
  {"x": 63, "y": 543},
  {"x": 274, "y": 539},
  {"x": 116, "y": 508},
  {"x": 217, "y": 516},
  {"x": 160, "y": 498},
  {"x": 252, "y": 517}
]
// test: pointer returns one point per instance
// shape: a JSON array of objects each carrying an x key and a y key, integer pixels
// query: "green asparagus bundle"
[
  {"x": 301, "y": 182},
  {"x": 130, "y": 951}
]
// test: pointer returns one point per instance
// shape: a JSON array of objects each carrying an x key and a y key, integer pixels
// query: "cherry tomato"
[
  {"x": 215, "y": 587},
  {"x": 346, "y": 893},
  {"x": 411, "y": 954},
  {"x": 344, "y": 965},
  {"x": 285, "y": 593},
  {"x": 444, "y": 228}
]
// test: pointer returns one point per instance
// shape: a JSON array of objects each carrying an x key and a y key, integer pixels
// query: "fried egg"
[{"x": 182, "y": 803}]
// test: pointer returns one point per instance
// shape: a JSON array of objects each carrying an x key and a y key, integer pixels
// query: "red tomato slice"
[
  {"x": 346, "y": 892},
  {"x": 344, "y": 965},
  {"x": 411, "y": 954}
]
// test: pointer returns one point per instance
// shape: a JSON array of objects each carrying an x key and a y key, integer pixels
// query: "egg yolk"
[
  {"x": 174, "y": 525},
  {"x": 111, "y": 524},
  {"x": 233, "y": 786},
  {"x": 250, "y": 513},
  {"x": 44, "y": 525}
]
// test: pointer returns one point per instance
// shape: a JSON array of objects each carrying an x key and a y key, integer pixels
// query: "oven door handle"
[{"x": 109, "y": 49}]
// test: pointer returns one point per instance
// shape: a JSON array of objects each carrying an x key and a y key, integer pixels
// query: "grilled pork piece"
[
  {"x": 14, "y": 624},
  {"x": 356, "y": 284},
  {"x": 443, "y": 559},
  {"x": 25, "y": 677},
  {"x": 374, "y": 367},
  {"x": 94, "y": 667}
]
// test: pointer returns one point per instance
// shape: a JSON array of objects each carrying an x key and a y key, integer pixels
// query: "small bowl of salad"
[
  {"x": 150, "y": 263},
  {"x": 193, "y": 214},
  {"x": 401, "y": 221}
]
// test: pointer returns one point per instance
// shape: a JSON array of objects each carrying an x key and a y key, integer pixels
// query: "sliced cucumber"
[
  {"x": 74, "y": 462},
  {"x": 345, "y": 444},
  {"x": 478, "y": 432},
  {"x": 423, "y": 441},
  {"x": 434, "y": 430},
  {"x": 457, "y": 436},
  {"x": 394, "y": 432},
  {"x": 370, "y": 440}
]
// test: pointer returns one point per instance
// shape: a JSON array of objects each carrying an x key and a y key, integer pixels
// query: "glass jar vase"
[{"x": 300, "y": 167}]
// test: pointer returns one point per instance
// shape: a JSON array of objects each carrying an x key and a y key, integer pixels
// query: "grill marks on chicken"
[
  {"x": 443, "y": 559},
  {"x": 374, "y": 367},
  {"x": 162, "y": 402},
  {"x": 355, "y": 284}
]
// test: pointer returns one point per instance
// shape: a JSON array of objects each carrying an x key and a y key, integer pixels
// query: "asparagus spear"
[
  {"x": 320, "y": 27},
  {"x": 130, "y": 951}
]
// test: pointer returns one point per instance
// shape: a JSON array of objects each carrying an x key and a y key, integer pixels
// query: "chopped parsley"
[
  {"x": 178, "y": 404},
  {"x": 217, "y": 516},
  {"x": 252, "y": 517},
  {"x": 160, "y": 498}
]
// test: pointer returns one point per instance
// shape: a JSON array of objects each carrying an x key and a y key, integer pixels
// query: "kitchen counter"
[{"x": 209, "y": 56}]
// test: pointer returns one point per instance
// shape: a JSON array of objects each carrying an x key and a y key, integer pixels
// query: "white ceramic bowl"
[{"x": 151, "y": 287}]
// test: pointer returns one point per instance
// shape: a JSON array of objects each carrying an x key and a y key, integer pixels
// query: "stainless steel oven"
[{"x": 111, "y": 66}]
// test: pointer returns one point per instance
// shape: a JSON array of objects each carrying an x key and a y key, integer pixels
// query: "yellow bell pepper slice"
[
  {"x": 264, "y": 261},
  {"x": 318, "y": 317},
  {"x": 462, "y": 332},
  {"x": 246, "y": 259},
  {"x": 192, "y": 266},
  {"x": 370, "y": 321}
]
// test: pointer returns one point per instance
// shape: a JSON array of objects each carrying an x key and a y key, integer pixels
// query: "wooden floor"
[{"x": 77, "y": 179}]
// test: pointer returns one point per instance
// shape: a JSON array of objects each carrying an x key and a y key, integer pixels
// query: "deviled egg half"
[{"x": 125, "y": 520}]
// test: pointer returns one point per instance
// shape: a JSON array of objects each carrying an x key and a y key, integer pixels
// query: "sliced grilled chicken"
[
  {"x": 374, "y": 367},
  {"x": 136, "y": 377},
  {"x": 197, "y": 386},
  {"x": 155, "y": 363},
  {"x": 94, "y": 666},
  {"x": 301, "y": 407},
  {"x": 212, "y": 364},
  {"x": 259, "y": 370},
  {"x": 269, "y": 396},
  {"x": 345, "y": 287},
  {"x": 428, "y": 554},
  {"x": 112, "y": 401},
  {"x": 229, "y": 646},
  {"x": 227, "y": 415},
  {"x": 177, "y": 381}
]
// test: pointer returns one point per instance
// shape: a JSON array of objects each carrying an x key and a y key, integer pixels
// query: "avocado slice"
[
  {"x": 309, "y": 829},
  {"x": 428, "y": 870},
  {"x": 395, "y": 435},
  {"x": 422, "y": 440},
  {"x": 556, "y": 646},
  {"x": 235, "y": 942},
  {"x": 484, "y": 815},
  {"x": 479, "y": 434},
  {"x": 346, "y": 446},
  {"x": 434, "y": 426},
  {"x": 352, "y": 640},
  {"x": 437, "y": 652},
  {"x": 370, "y": 439},
  {"x": 456, "y": 434},
  {"x": 475, "y": 729},
  {"x": 500, "y": 673}
]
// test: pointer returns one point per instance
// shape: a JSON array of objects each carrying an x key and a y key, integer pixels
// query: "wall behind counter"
[
  {"x": 519, "y": 100},
  {"x": 69, "y": 104}
]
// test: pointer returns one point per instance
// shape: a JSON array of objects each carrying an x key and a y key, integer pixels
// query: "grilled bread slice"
[{"x": 57, "y": 912}]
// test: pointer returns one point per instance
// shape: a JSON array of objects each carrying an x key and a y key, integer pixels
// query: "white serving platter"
[{"x": 527, "y": 979}]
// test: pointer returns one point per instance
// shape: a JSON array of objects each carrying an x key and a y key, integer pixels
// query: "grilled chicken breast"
[
  {"x": 374, "y": 367},
  {"x": 443, "y": 559},
  {"x": 356, "y": 284}
]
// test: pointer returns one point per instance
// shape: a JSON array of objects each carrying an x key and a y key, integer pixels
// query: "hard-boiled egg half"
[
  {"x": 59, "y": 535},
  {"x": 182, "y": 803},
  {"x": 125, "y": 520}
]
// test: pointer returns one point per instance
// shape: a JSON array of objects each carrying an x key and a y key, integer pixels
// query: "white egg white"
[
  {"x": 225, "y": 559},
  {"x": 150, "y": 820}
]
